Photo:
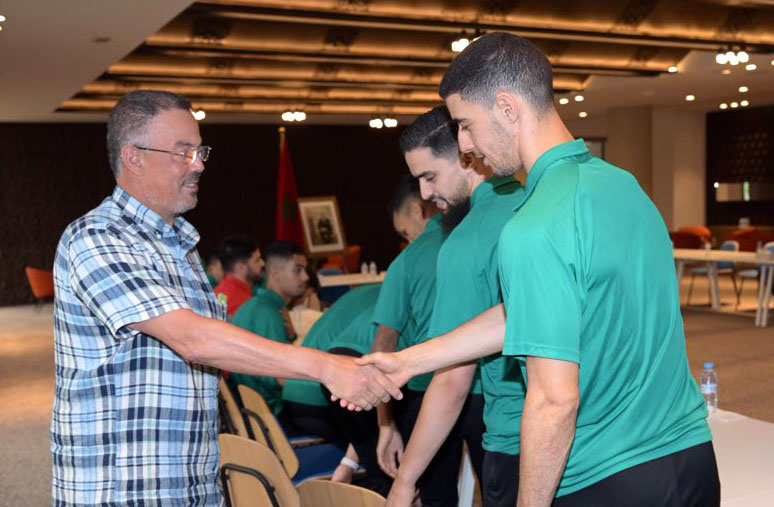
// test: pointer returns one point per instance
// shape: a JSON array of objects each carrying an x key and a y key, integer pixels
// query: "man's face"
[
  {"x": 291, "y": 276},
  {"x": 409, "y": 221},
  {"x": 171, "y": 182},
  {"x": 255, "y": 265},
  {"x": 480, "y": 133},
  {"x": 441, "y": 180}
]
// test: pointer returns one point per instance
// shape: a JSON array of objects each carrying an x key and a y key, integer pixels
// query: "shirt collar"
[
  {"x": 569, "y": 150},
  {"x": 236, "y": 282},
  {"x": 490, "y": 187},
  {"x": 142, "y": 215},
  {"x": 433, "y": 224},
  {"x": 272, "y": 297}
]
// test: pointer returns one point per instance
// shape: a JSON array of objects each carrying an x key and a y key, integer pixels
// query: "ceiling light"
[
  {"x": 299, "y": 116},
  {"x": 579, "y": 98},
  {"x": 772, "y": 62},
  {"x": 716, "y": 185},
  {"x": 458, "y": 45},
  {"x": 734, "y": 105},
  {"x": 742, "y": 89},
  {"x": 750, "y": 66},
  {"x": 376, "y": 123},
  {"x": 690, "y": 98},
  {"x": 1, "y": 27},
  {"x": 390, "y": 122},
  {"x": 2, "y": 18},
  {"x": 725, "y": 72},
  {"x": 199, "y": 115},
  {"x": 672, "y": 69},
  {"x": 583, "y": 114},
  {"x": 744, "y": 103},
  {"x": 723, "y": 106},
  {"x": 721, "y": 58},
  {"x": 287, "y": 116},
  {"x": 743, "y": 56},
  {"x": 732, "y": 60},
  {"x": 564, "y": 100}
]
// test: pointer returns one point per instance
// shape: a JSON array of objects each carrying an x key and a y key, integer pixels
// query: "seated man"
[
  {"x": 242, "y": 266},
  {"x": 214, "y": 270},
  {"x": 285, "y": 279}
]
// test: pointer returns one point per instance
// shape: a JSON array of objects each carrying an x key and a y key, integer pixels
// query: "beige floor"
[{"x": 744, "y": 356}]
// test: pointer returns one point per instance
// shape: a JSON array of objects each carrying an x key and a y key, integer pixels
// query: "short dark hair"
[
  {"x": 434, "y": 129},
  {"x": 282, "y": 250},
  {"x": 235, "y": 249},
  {"x": 500, "y": 61},
  {"x": 131, "y": 115},
  {"x": 407, "y": 188}
]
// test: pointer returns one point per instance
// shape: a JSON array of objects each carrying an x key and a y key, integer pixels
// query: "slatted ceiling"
[{"x": 340, "y": 56}]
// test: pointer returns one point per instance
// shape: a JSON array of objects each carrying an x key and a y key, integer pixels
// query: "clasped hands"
[{"x": 362, "y": 383}]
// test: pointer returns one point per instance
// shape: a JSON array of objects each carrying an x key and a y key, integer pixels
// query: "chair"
[
  {"x": 698, "y": 230},
  {"x": 41, "y": 283},
  {"x": 232, "y": 413},
  {"x": 252, "y": 476},
  {"x": 686, "y": 240},
  {"x": 329, "y": 295},
  {"x": 753, "y": 273},
  {"x": 349, "y": 262},
  {"x": 723, "y": 268}
]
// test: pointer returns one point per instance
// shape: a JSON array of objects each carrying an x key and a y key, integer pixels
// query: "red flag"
[{"x": 288, "y": 220}]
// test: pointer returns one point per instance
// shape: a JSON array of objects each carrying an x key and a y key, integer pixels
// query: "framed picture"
[{"x": 321, "y": 220}]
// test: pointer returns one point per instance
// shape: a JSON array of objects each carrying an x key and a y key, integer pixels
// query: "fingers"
[
  {"x": 388, "y": 388},
  {"x": 367, "y": 359}
]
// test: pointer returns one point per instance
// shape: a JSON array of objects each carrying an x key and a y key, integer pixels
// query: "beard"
[{"x": 455, "y": 213}]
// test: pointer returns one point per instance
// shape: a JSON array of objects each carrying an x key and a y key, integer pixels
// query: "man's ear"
[
  {"x": 131, "y": 160},
  {"x": 508, "y": 106},
  {"x": 416, "y": 209}
]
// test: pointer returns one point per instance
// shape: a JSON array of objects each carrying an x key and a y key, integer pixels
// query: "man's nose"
[
  {"x": 424, "y": 190},
  {"x": 463, "y": 138}
]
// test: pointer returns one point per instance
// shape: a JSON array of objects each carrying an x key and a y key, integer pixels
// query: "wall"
[
  {"x": 629, "y": 144},
  {"x": 51, "y": 174}
]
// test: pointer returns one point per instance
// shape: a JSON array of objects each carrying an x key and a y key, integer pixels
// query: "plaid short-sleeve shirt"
[{"x": 133, "y": 422}]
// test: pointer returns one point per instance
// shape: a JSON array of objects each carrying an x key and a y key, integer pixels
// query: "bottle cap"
[{"x": 709, "y": 365}]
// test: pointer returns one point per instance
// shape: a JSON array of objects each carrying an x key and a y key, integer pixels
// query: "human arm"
[
  {"x": 222, "y": 345},
  {"x": 547, "y": 428},
  {"x": 441, "y": 407}
]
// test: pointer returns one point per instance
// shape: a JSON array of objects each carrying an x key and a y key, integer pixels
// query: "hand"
[
  {"x": 401, "y": 494},
  {"x": 389, "y": 449},
  {"x": 358, "y": 387},
  {"x": 391, "y": 364}
]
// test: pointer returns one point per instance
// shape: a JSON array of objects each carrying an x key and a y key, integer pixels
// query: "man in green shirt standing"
[
  {"x": 475, "y": 207},
  {"x": 285, "y": 279}
]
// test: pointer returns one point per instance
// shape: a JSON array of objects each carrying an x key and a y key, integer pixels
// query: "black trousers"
[
  {"x": 687, "y": 478},
  {"x": 438, "y": 485},
  {"x": 315, "y": 420},
  {"x": 500, "y": 484}
]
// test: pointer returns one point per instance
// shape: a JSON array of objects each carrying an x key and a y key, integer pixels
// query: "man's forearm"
[
  {"x": 479, "y": 337},
  {"x": 441, "y": 407},
  {"x": 385, "y": 339}
]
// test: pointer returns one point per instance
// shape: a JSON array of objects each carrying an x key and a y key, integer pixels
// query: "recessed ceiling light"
[
  {"x": 376, "y": 123},
  {"x": 725, "y": 72},
  {"x": 744, "y": 103},
  {"x": 564, "y": 100},
  {"x": 672, "y": 69},
  {"x": 750, "y": 66},
  {"x": 734, "y": 105},
  {"x": 583, "y": 114},
  {"x": 579, "y": 98},
  {"x": 716, "y": 185},
  {"x": 390, "y": 123},
  {"x": 743, "y": 56},
  {"x": 723, "y": 106},
  {"x": 1, "y": 27},
  {"x": 2, "y": 18},
  {"x": 299, "y": 116},
  {"x": 742, "y": 89},
  {"x": 199, "y": 115},
  {"x": 690, "y": 98},
  {"x": 721, "y": 58}
]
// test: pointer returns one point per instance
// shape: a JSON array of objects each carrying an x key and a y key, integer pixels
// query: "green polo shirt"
[
  {"x": 261, "y": 315},
  {"x": 467, "y": 284},
  {"x": 588, "y": 276},
  {"x": 343, "y": 321},
  {"x": 408, "y": 291}
]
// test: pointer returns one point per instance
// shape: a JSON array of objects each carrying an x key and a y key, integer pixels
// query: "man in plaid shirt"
[{"x": 140, "y": 337}]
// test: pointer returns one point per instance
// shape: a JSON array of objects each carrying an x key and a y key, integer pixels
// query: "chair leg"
[
  {"x": 690, "y": 289},
  {"x": 733, "y": 281},
  {"x": 739, "y": 293}
]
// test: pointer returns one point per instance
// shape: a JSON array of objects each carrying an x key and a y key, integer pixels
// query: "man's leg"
[
  {"x": 313, "y": 420},
  {"x": 685, "y": 478},
  {"x": 501, "y": 479},
  {"x": 472, "y": 429}
]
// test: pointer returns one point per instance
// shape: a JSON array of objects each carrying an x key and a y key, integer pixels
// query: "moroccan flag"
[{"x": 288, "y": 221}]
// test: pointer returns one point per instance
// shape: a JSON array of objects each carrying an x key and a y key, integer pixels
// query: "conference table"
[{"x": 712, "y": 257}]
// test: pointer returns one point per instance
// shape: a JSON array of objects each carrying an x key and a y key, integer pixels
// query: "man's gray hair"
[{"x": 132, "y": 114}]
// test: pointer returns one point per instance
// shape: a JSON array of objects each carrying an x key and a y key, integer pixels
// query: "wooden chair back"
[
  {"x": 232, "y": 409},
  {"x": 323, "y": 493},
  {"x": 41, "y": 282}
]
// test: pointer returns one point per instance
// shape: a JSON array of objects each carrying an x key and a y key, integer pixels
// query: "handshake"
[{"x": 362, "y": 383}]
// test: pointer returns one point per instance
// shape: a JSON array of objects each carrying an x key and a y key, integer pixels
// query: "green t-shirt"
[
  {"x": 467, "y": 284},
  {"x": 408, "y": 291},
  {"x": 337, "y": 323},
  {"x": 588, "y": 276},
  {"x": 261, "y": 315}
]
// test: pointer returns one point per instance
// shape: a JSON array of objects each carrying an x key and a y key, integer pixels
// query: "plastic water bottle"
[
  {"x": 372, "y": 268},
  {"x": 364, "y": 268},
  {"x": 709, "y": 386}
]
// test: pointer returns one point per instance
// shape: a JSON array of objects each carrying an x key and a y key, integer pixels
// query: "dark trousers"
[
  {"x": 438, "y": 485},
  {"x": 314, "y": 420},
  {"x": 500, "y": 484},
  {"x": 682, "y": 479}
]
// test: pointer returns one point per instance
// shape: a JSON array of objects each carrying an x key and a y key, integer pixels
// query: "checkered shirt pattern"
[{"x": 133, "y": 423}]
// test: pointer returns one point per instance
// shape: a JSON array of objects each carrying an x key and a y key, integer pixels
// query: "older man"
[{"x": 139, "y": 334}]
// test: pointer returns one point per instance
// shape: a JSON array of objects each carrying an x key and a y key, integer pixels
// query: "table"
[
  {"x": 712, "y": 257},
  {"x": 744, "y": 448},
  {"x": 350, "y": 279}
]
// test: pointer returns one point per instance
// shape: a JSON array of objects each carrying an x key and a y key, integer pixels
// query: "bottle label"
[{"x": 708, "y": 388}]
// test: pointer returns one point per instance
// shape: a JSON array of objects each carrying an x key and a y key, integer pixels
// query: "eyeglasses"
[{"x": 190, "y": 154}]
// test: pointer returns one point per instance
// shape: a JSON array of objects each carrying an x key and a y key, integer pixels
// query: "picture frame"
[{"x": 322, "y": 225}]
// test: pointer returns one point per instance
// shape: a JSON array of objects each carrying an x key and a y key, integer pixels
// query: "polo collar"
[
  {"x": 489, "y": 187},
  {"x": 272, "y": 297},
  {"x": 570, "y": 150},
  {"x": 433, "y": 224},
  {"x": 137, "y": 212}
]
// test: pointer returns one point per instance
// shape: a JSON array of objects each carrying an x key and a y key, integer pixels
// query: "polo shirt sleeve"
[
  {"x": 393, "y": 308},
  {"x": 118, "y": 281},
  {"x": 543, "y": 308}
]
